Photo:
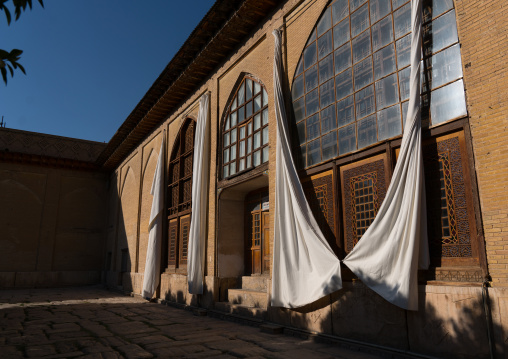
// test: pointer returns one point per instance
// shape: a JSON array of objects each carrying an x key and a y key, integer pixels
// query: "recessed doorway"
[{"x": 257, "y": 236}]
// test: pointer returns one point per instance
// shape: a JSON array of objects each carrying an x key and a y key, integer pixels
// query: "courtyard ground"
[{"x": 91, "y": 322}]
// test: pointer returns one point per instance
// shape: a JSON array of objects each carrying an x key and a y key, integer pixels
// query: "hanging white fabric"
[
  {"x": 200, "y": 178},
  {"x": 387, "y": 256},
  {"x": 153, "y": 252},
  {"x": 305, "y": 268}
]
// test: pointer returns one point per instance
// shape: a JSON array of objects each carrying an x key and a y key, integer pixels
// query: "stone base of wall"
[
  {"x": 48, "y": 279},
  {"x": 450, "y": 322},
  {"x": 174, "y": 288}
]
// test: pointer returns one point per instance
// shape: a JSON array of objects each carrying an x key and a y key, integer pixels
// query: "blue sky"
[{"x": 89, "y": 63}]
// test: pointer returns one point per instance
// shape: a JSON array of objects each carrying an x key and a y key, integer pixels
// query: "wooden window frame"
[
  {"x": 227, "y": 129},
  {"x": 179, "y": 209},
  {"x": 303, "y": 148},
  {"x": 472, "y": 270}
]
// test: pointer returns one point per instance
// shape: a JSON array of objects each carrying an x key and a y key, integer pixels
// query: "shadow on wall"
[
  {"x": 118, "y": 271},
  {"x": 448, "y": 325}
]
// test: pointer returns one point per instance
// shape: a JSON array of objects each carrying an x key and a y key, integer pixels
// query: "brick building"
[{"x": 346, "y": 64}]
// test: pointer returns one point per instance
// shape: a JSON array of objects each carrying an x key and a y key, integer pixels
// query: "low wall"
[{"x": 48, "y": 279}]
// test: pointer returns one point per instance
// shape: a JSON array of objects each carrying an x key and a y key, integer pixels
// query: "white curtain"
[
  {"x": 153, "y": 252},
  {"x": 200, "y": 178},
  {"x": 304, "y": 266},
  {"x": 387, "y": 256}
]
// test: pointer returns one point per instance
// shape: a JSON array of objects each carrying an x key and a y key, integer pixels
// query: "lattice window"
[
  {"x": 449, "y": 225},
  {"x": 184, "y": 238},
  {"x": 245, "y": 131},
  {"x": 364, "y": 186},
  {"x": 364, "y": 203},
  {"x": 180, "y": 193},
  {"x": 173, "y": 241},
  {"x": 320, "y": 195},
  {"x": 351, "y": 85}
]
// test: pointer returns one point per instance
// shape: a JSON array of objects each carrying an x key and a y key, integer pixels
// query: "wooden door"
[
  {"x": 266, "y": 242},
  {"x": 260, "y": 248},
  {"x": 256, "y": 242}
]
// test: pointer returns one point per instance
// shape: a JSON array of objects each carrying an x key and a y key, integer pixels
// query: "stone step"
[
  {"x": 240, "y": 310},
  {"x": 248, "y": 298},
  {"x": 258, "y": 283}
]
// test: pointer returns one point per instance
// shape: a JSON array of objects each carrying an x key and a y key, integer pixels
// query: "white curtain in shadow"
[
  {"x": 153, "y": 253},
  {"x": 304, "y": 265},
  {"x": 200, "y": 178}
]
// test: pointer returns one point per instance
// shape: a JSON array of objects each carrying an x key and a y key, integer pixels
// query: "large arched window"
[
  {"x": 180, "y": 195},
  {"x": 245, "y": 130},
  {"x": 351, "y": 90},
  {"x": 351, "y": 87}
]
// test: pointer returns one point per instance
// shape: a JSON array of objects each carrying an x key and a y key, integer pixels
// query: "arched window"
[
  {"x": 351, "y": 91},
  {"x": 245, "y": 130},
  {"x": 351, "y": 86},
  {"x": 180, "y": 195}
]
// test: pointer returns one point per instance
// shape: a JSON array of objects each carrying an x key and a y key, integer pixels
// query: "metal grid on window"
[
  {"x": 245, "y": 132},
  {"x": 351, "y": 86}
]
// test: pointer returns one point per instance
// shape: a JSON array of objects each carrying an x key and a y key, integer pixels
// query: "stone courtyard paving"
[{"x": 91, "y": 322}]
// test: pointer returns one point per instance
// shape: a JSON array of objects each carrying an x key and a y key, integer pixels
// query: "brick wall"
[{"x": 483, "y": 33}]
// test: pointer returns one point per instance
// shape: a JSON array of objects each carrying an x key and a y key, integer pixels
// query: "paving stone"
[
  {"x": 96, "y": 329},
  {"x": 65, "y": 327},
  {"x": 227, "y": 345},
  {"x": 113, "y": 341},
  {"x": 208, "y": 354},
  {"x": 27, "y": 339},
  {"x": 92, "y": 323},
  {"x": 179, "y": 352},
  {"x": 199, "y": 337},
  {"x": 68, "y": 335},
  {"x": 65, "y": 355},
  {"x": 159, "y": 322},
  {"x": 151, "y": 339},
  {"x": 130, "y": 328},
  {"x": 134, "y": 351},
  {"x": 39, "y": 351},
  {"x": 249, "y": 351},
  {"x": 113, "y": 320},
  {"x": 10, "y": 351},
  {"x": 301, "y": 354}
]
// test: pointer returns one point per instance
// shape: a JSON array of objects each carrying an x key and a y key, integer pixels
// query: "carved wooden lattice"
[
  {"x": 319, "y": 193},
  {"x": 173, "y": 241},
  {"x": 180, "y": 193},
  {"x": 364, "y": 188},
  {"x": 447, "y": 215},
  {"x": 189, "y": 138},
  {"x": 364, "y": 203},
  {"x": 184, "y": 238}
]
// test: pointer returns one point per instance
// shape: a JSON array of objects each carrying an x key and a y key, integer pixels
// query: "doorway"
[{"x": 257, "y": 236}]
